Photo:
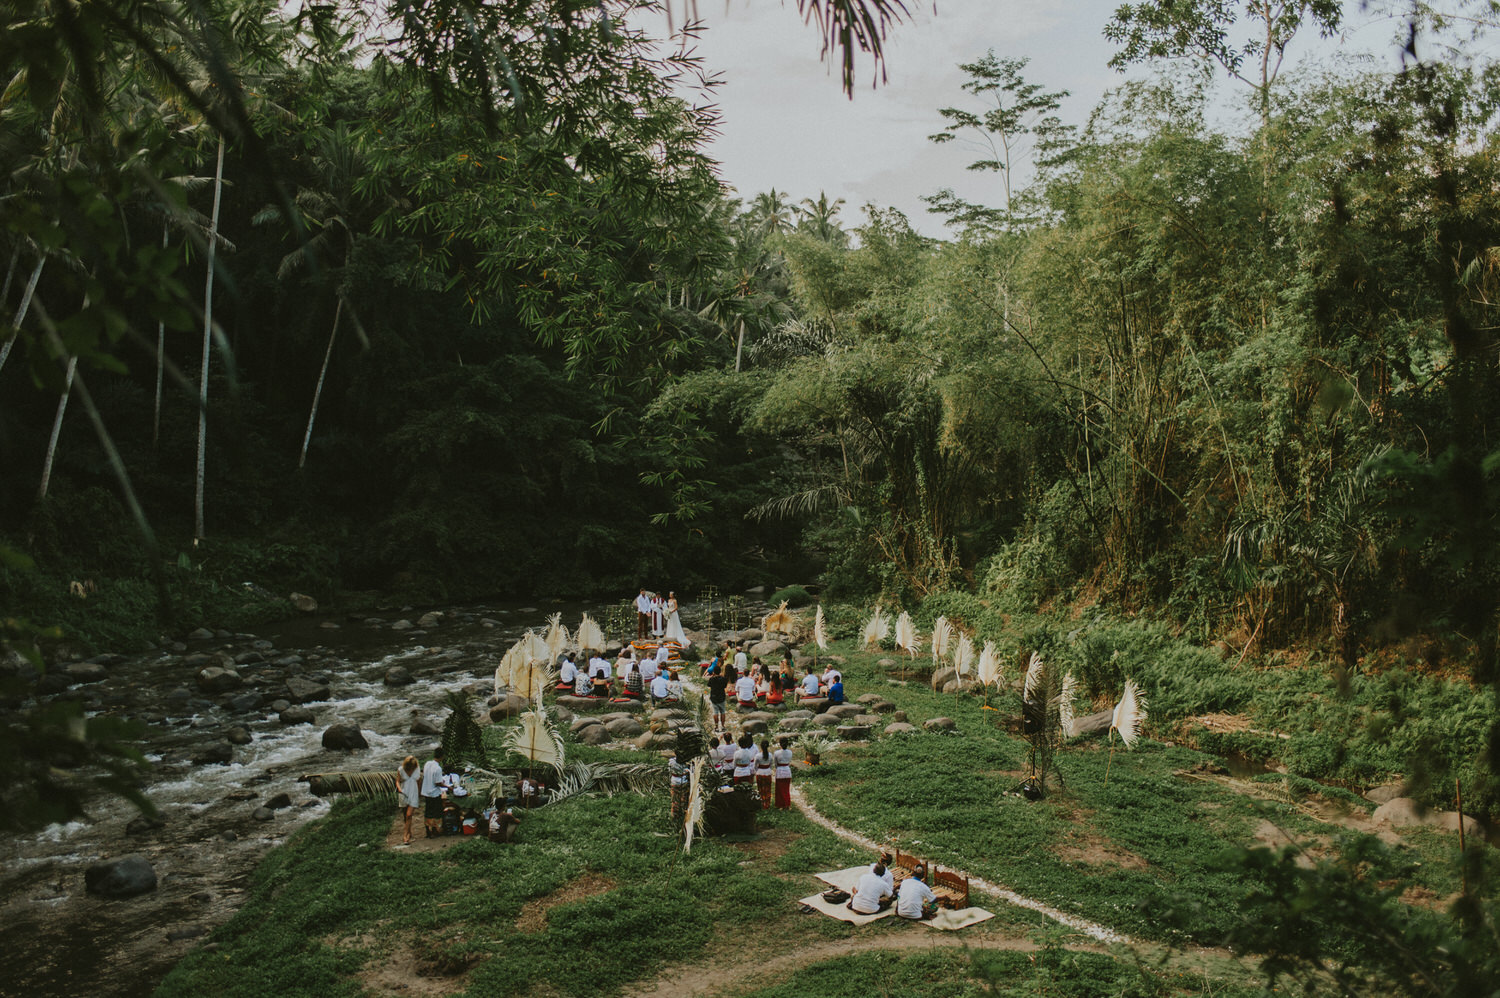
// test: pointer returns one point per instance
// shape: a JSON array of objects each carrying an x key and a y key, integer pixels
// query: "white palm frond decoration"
[
  {"x": 989, "y": 665},
  {"x": 942, "y": 634},
  {"x": 781, "y": 620},
  {"x": 908, "y": 638},
  {"x": 504, "y": 671},
  {"x": 557, "y": 637},
  {"x": 1033, "y": 676},
  {"x": 820, "y": 637},
  {"x": 589, "y": 635},
  {"x": 536, "y": 737},
  {"x": 876, "y": 629},
  {"x": 534, "y": 648},
  {"x": 1130, "y": 714},
  {"x": 529, "y": 677},
  {"x": 1065, "y": 701},
  {"x": 693, "y": 821},
  {"x": 963, "y": 654}
]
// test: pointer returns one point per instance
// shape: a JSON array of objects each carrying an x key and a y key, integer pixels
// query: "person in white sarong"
[
  {"x": 674, "y": 622},
  {"x": 658, "y": 617}
]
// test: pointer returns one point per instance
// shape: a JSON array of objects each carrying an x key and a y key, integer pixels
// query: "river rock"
[
  {"x": 288, "y": 661},
  {"x": 844, "y": 710},
  {"x": 120, "y": 878},
  {"x": 303, "y": 690},
  {"x": 110, "y": 660},
  {"x": 792, "y": 715},
  {"x": 624, "y": 727},
  {"x": 583, "y": 722},
  {"x": 304, "y": 602},
  {"x": 201, "y": 634},
  {"x": 296, "y": 715},
  {"x": 281, "y": 800},
  {"x": 216, "y": 679},
  {"x": 397, "y": 675},
  {"x": 238, "y": 735},
  {"x": 791, "y": 725},
  {"x": 402, "y": 625},
  {"x": 1090, "y": 723},
  {"x": 1380, "y": 795},
  {"x": 653, "y": 742},
  {"x": 826, "y": 721},
  {"x": 594, "y": 734},
  {"x": 248, "y": 658},
  {"x": 279, "y": 705},
  {"x": 510, "y": 705},
  {"x": 430, "y": 619},
  {"x": 263, "y": 814},
  {"x": 899, "y": 728},
  {"x": 768, "y": 648},
  {"x": 939, "y": 724},
  {"x": 582, "y": 703},
  {"x": 753, "y": 727},
  {"x": 143, "y": 823},
  {"x": 563, "y": 714},
  {"x": 422, "y": 726},
  {"x": 344, "y": 738},
  {"x": 244, "y": 703},
  {"x": 217, "y": 754},
  {"x": 85, "y": 672},
  {"x": 854, "y": 732}
]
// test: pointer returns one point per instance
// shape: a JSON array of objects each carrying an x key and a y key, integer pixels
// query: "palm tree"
[{"x": 820, "y": 218}]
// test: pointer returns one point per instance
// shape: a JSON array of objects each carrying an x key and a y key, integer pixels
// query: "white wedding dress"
[{"x": 674, "y": 630}]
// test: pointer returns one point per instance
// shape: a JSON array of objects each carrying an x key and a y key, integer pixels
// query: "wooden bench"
[{"x": 952, "y": 890}]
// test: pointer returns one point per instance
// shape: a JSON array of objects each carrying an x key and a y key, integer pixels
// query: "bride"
[{"x": 674, "y": 622}]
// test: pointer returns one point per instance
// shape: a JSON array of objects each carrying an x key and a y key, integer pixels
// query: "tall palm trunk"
[
  {"x": 318, "y": 392},
  {"x": 208, "y": 326},
  {"x": 57, "y": 421},
  {"x": 161, "y": 347},
  {"x": 24, "y": 307}
]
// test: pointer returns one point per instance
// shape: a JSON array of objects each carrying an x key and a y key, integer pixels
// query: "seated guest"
[
  {"x": 890, "y": 875},
  {"x": 756, "y": 669},
  {"x": 836, "y": 690},
  {"x": 583, "y": 686},
  {"x": 774, "y": 695},
  {"x": 635, "y": 688},
  {"x": 810, "y": 685},
  {"x": 649, "y": 670},
  {"x": 659, "y": 690},
  {"x": 829, "y": 675},
  {"x": 915, "y": 899},
  {"x": 872, "y": 894},
  {"x": 663, "y": 652},
  {"x": 744, "y": 692},
  {"x": 674, "y": 686},
  {"x": 740, "y": 662},
  {"x": 503, "y": 822},
  {"x": 568, "y": 674}
]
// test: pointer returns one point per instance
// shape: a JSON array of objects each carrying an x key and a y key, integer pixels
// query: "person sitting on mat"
[
  {"x": 873, "y": 894},
  {"x": 915, "y": 899}
]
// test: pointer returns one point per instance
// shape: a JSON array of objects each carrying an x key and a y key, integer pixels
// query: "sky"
[{"x": 788, "y": 125}]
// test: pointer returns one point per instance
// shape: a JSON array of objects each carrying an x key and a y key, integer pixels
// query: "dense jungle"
[{"x": 438, "y": 302}]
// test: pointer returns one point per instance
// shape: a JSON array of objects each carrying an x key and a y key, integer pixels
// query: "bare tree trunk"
[
  {"x": 25, "y": 306},
  {"x": 57, "y": 421},
  {"x": 739, "y": 346},
  {"x": 318, "y": 392},
  {"x": 161, "y": 346},
  {"x": 208, "y": 325}
]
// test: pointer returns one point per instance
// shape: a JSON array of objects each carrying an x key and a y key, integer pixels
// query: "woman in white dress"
[{"x": 674, "y": 622}]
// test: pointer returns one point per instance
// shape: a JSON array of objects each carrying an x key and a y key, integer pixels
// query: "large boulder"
[
  {"x": 768, "y": 648},
  {"x": 302, "y": 690},
  {"x": 756, "y": 728},
  {"x": 899, "y": 728},
  {"x": 624, "y": 727},
  {"x": 939, "y": 724},
  {"x": 583, "y": 722},
  {"x": 296, "y": 715},
  {"x": 594, "y": 734},
  {"x": 582, "y": 703},
  {"x": 120, "y": 878},
  {"x": 85, "y": 672},
  {"x": 344, "y": 738},
  {"x": 217, "y": 754},
  {"x": 844, "y": 710},
  {"x": 304, "y": 602},
  {"x": 854, "y": 732},
  {"x": 802, "y": 714},
  {"x": 430, "y": 619},
  {"x": 881, "y": 707},
  {"x": 940, "y": 677},
  {"x": 201, "y": 634},
  {"x": 654, "y": 742},
  {"x": 422, "y": 726},
  {"x": 791, "y": 725},
  {"x": 510, "y": 705},
  {"x": 238, "y": 735},
  {"x": 397, "y": 675},
  {"x": 216, "y": 679},
  {"x": 1090, "y": 723},
  {"x": 1382, "y": 794}
]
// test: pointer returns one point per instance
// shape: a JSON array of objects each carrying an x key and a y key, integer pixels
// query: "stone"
[
  {"x": 263, "y": 814},
  {"x": 941, "y": 677},
  {"x": 430, "y": 619},
  {"x": 899, "y": 715},
  {"x": 51, "y": 683},
  {"x": 753, "y": 727},
  {"x": 1380, "y": 795},
  {"x": 422, "y": 726},
  {"x": 288, "y": 661},
  {"x": 594, "y": 734},
  {"x": 238, "y": 735},
  {"x": 344, "y": 738},
  {"x": 244, "y": 703},
  {"x": 402, "y": 625},
  {"x": 654, "y": 742},
  {"x": 826, "y": 721},
  {"x": 583, "y": 722},
  {"x": 397, "y": 675},
  {"x": 764, "y": 716},
  {"x": 279, "y": 801},
  {"x": 624, "y": 727},
  {"x": 304, "y": 602},
  {"x": 792, "y": 715},
  {"x": 215, "y": 679},
  {"x": 200, "y": 660},
  {"x": 844, "y": 710},
  {"x": 887, "y": 663},
  {"x": 85, "y": 672},
  {"x": 277, "y": 706},
  {"x": 582, "y": 703},
  {"x": 768, "y": 648},
  {"x": 881, "y": 707},
  {"x": 186, "y": 932},
  {"x": 751, "y": 634},
  {"x": 302, "y": 690},
  {"x": 510, "y": 705},
  {"x": 125, "y": 877},
  {"x": 899, "y": 728},
  {"x": 248, "y": 658},
  {"x": 110, "y": 660},
  {"x": 1401, "y": 811},
  {"x": 1090, "y": 723},
  {"x": 143, "y": 823},
  {"x": 792, "y": 724},
  {"x": 939, "y": 724},
  {"x": 854, "y": 732},
  {"x": 871, "y": 719},
  {"x": 201, "y": 634},
  {"x": 953, "y": 686},
  {"x": 1449, "y": 820},
  {"x": 330, "y": 625},
  {"x": 868, "y": 698},
  {"x": 296, "y": 715},
  {"x": 216, "y": 754}
]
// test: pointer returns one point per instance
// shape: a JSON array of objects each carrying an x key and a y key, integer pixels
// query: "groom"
[{"x": 642, "y": 614}]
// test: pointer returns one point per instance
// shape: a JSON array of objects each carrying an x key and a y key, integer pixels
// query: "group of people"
[
  {"x": 441, "y": 795},
  {"x": 656, "y": 617},
  {"x": 756, "y": 685},
  {"x": 627, "y": 677},
  {"x": 877, "y": 890},
  {"x": 743, "y": 761}
]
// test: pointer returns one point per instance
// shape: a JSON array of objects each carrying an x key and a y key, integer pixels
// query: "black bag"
[{"x": 835, "y": 896}]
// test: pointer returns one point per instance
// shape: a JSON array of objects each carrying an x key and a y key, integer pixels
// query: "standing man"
[
  {"x": 433, "y": 782},
  {"x": 642, "y": 614}
]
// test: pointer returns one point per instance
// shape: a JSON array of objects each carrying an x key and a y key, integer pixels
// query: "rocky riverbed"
[{"x": 233, "y": 720}]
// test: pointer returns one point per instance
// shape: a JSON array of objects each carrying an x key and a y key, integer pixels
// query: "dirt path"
[{"x": 1090, "y": 929}]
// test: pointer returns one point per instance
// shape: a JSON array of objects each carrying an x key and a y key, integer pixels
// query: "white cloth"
[
  {"x": 910, "y": 898},
  {"x": 744, "y": 761},
  {"x": 432, "y": 779},
  {"x": 649, "y": 670},
  {"x": 643, "y": 603},
  {"x": 411, "y": 789},
  {"x": 659, "y": 687},
  {"x": 764, "y": 765},
  {"x": 726, "y": 757},
  {"x": 889, "y": 876},
  {"x": 783, "y": 760},
  {"x": 569, "y": 672},
  {"x": 740, "y": 661},
  {"x": 662, "y": 654},
  {"x": 583, "y": 686},
  {"x": 869, "y": 893},
  {"x": 658, "y": 618},
  {"x": 675, "y": 631},
  {"x": 810, "y": 685}
]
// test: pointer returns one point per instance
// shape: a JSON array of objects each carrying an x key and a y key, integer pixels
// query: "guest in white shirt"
[
  {"x": 642, "y": 614},
  {"x": 569, "y": 673},
  {"x": 915, "y": 899},
  {"x": 872, "y": 894},
  {"x": 744, "y": 691},
  {"x": 810, "y": 684},
  {"x": 740, "y": 661},
  {"x": 659, "y": 689}
]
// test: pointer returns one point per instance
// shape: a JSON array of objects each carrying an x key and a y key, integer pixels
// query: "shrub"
[{"x": 793, "y": 596}]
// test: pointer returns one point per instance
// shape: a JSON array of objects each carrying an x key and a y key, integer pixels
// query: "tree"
[{"x": 820, "y": 219}]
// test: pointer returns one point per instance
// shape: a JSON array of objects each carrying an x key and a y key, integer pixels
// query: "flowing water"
[{"x": 60, "y": 940}]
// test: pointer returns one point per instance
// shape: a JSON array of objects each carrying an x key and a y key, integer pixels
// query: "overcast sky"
[{"x": 788, "y": 125}]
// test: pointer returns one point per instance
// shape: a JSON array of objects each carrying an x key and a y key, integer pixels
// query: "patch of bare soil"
[
  {"x": 533, "y": 917},
  {"x": 1093, "y": 850},
  {"x": 770, "y": 845},
  {"x": 419, "y": 840},
  {"x": 399, "y": 968}
]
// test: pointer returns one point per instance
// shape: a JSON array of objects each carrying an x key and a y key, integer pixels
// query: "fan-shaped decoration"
[
  {"x": 536, "y": 739},
  {"x": 589, "y": 635},
  {"x": 908, "y": 638},
  {"x": 528, "y": 676},
  {"x": 820, "y": 637},
  {"x": 781, "y": 620},
  {"x": 876, "y": 629},
  {"x": 1065, "y": 701},
  {"x": 942, "y": 634},
  {"x": 963, "y": 654},
  {"x": 989, "y": 665},
  {"x": 506, "y": 667},
  {"x": 556, "y": 637},
  {"x": 693, "y": 822},
  {"x": 1130, "y": 714},
  {"x": 1033, "y": 676}
]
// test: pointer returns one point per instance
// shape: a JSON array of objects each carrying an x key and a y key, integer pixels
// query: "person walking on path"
[
  {"x": 433, "y": 783},
  {"x": 409, "y": 785}
]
